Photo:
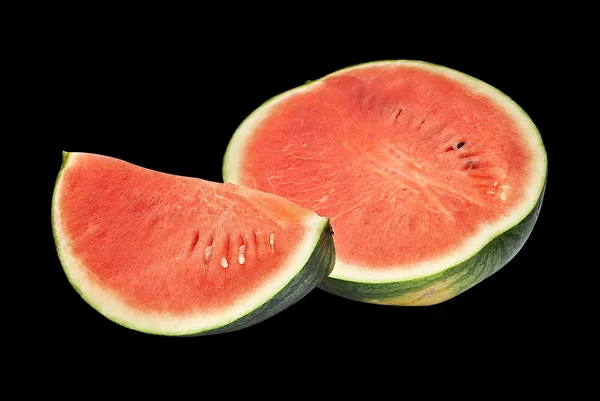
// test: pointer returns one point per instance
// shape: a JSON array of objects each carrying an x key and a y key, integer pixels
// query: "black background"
[{"x": 169, "y": 97}]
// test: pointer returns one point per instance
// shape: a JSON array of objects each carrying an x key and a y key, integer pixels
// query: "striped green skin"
[
  {"x": 319, "y": 265},
  {"x": 442, "y": 286},
  {"x": 436, "y": 287}
]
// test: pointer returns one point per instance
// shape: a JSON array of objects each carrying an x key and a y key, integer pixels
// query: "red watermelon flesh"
[
  {"x": 416, "y": 165},
  {"x": 157, "y": 244}
]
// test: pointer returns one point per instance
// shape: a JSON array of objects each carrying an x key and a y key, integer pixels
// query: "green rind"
[
  {"x": 449, "y": 282},
  {"x": 446, "y": 284},
  {"x": 319, "y": 265},
  {"x": 317, "y": 268}
]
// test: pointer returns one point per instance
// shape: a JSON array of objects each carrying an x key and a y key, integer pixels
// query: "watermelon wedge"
[
  {"x": 173, "y": 255},
  {"x": 433, "y": 180}
]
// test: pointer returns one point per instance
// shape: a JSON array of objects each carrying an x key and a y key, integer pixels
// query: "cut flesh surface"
[
  {"x": 417, "y": 166},
  {"x": 177, "y": 255}
]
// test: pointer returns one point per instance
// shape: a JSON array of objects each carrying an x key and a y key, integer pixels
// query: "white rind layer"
[
  {"x": 110, "y": 305},
  {"x": 234, "y": 156}
]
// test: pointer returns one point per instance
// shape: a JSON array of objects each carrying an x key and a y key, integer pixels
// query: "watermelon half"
[
  {"x": 432, "y": 179},
  {"x": 173, "y": 255}
]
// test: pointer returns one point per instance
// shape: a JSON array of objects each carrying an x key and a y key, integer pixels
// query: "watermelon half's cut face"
[
  {"x": 432, "y": 179},
  {"x": 173, "y": 255}
]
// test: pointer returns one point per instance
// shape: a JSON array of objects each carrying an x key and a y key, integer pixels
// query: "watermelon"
[
  {"x": 433, "y": 180},
  {"x": 180, "y": 256}
]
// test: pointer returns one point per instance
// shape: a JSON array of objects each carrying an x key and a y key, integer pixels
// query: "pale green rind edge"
[
  {"x": 419, "y": 283},
  {"x": 446, "y": 284},
  {"x": 317, "y": 268},
  {"x": 227, "y": 155},
  {"x": 319, "y": 265}
]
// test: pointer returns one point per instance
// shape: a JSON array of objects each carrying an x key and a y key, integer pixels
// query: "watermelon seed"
[
  {"x": 207, "y": 252},
  {"x": 455, "y": 147},
  {"x": 241, "y": 258},
  {"x": 272, "y": 241},
  {"x": 495, "y": 183},
  {"x": 471, "y": 164},
  {"x": 502, "y": 194},
  {"x": 224, "y": 262},
  {"x": 399, "y": 112}
]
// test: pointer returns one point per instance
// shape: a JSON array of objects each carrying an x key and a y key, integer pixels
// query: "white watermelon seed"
[
  {"x": 272, "y": 241},
  {"x": 241, "y": 257},
  {"x": 502, "y": 194},
  {"x": 224, "y": 262}
]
